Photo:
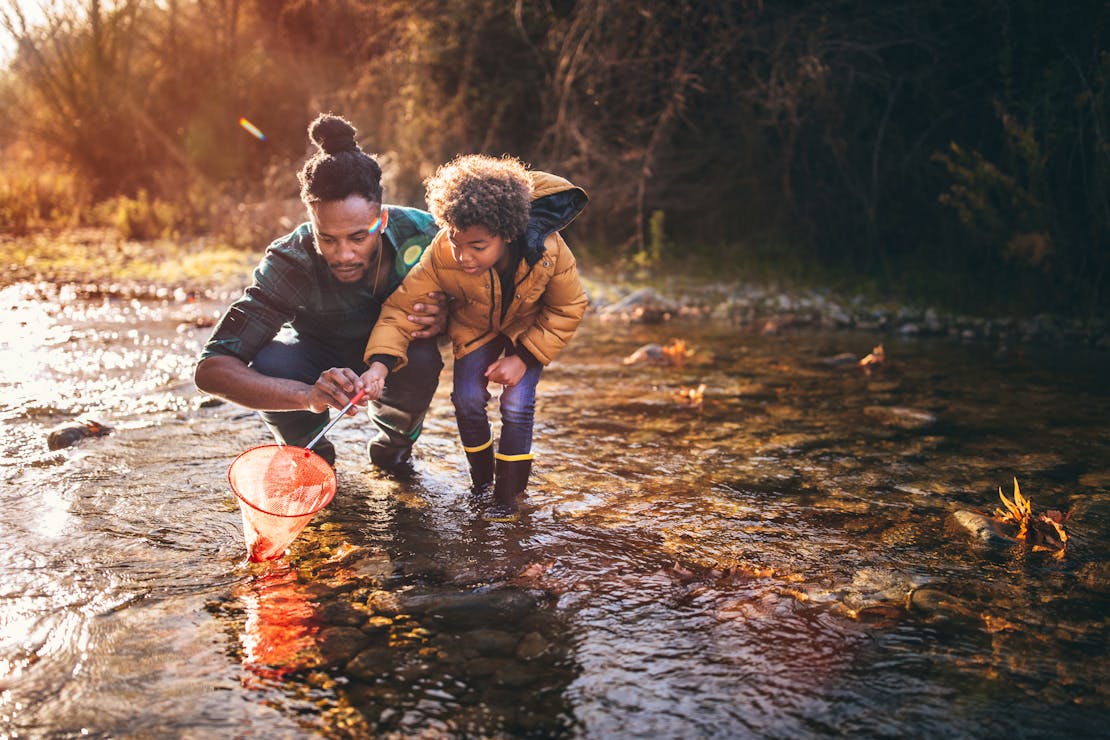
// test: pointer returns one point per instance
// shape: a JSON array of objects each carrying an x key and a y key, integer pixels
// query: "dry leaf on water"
[
  {"x": 872, "y": 362},
  {"x": 691, "y": 396},
  {"x": 677, "y": 352},
  {"x": 1044, "y": 532}
]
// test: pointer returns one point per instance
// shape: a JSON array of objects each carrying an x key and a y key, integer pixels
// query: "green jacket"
[{"x": 293, "y": 287}]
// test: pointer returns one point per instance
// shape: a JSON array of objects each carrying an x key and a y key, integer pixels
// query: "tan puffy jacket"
[{"x": 544, "y": 310}]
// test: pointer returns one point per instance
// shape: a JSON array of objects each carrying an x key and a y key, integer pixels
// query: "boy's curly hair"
[{"x": 479, "y": 190}]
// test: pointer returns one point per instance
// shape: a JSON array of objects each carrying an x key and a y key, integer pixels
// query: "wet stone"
[
  {"x": 372, "y": 662},
  {"x": 481, "y": 667},
  {"x": 514, "y": 674},
  {"x": 377, "y": 624},
  {"x": 489, "y": 642},
  {"x": 926, "y": 488},
  {"x": 532, "y": 646},
  {"x": 384, "y": 603},
  {"x": 937, "y": 603},
  {"x": 70, "y": 433},
  {"x": 341, "y": 613},
  {"x": 900, "y": 417},
  {"x": 981, "y": 528},
  {"x": 338, "y": 645},
  {"x": 476, "y": 608}
]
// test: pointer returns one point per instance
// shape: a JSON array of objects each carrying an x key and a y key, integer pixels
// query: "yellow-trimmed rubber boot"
[
  {"x": 480, "y": 460},
  {"x": 510, "y": 480}
]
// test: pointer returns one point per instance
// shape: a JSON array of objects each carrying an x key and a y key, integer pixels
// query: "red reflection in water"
[{"x": 278, "y": 636}]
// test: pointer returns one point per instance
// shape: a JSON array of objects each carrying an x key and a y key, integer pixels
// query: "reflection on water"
[{"x": 780, "y": 560}]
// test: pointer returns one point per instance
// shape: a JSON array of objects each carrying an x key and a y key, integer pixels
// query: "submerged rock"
[
  {"x": 981, "y": 527},
  {"x": 844, "y": 359},
  {"x": 477, "y": 608},
  {"x": 643, "y": 305},
  {"x": 649, "y": 353},
  {"x": 938, "y": 604},
  {"x": 337, "y": 645},
  {"x": 900, "y": 416},
  {"x": 208, "y": 402},
  {"x": 373, "y": 662},
  {"x": 70, "y": 433}
]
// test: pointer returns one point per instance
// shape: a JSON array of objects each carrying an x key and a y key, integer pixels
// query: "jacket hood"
[{"x": 555, "y": 203}]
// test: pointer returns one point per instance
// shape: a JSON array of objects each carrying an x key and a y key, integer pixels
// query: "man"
[{"x": 291, "y": 346}]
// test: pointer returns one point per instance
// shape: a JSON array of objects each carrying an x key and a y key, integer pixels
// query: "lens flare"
[
  {"x": 252, "y": 129},
  {"x": 379, "y": 223}
]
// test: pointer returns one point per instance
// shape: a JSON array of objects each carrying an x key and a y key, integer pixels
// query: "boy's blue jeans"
[
  {"x": 470, "y": 395},
  {"x": 398, "y": 414}
]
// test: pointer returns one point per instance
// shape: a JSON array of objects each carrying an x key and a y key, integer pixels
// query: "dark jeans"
[
  {"x": 471, "y": 393},
  {"x": 399, "y": 413}
]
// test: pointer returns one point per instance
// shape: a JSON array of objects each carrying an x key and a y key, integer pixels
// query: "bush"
[{"x": 32, "y": 198}]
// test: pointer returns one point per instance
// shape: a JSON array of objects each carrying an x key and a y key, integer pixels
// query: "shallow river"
[{"x": 781, "y": 560}]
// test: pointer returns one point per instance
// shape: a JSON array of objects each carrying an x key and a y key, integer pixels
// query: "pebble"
[
  {"x": 900, "y": 416},
  {"x": 70, "y": 433},
  {"x": 981, "y": 527}
]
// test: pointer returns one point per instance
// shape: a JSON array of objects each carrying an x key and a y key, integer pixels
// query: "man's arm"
[{"x": 230, "y": 378}]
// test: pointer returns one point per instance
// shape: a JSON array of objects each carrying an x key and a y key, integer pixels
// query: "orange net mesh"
[{"x": 282, "y": 481}]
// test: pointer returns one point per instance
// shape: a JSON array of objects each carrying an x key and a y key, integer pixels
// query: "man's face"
[
  {"x": 477, "y": 250},
  {"x": 348, "y": 235}
]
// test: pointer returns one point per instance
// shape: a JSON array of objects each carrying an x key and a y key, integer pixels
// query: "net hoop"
[{"x": 295, "y": 452}]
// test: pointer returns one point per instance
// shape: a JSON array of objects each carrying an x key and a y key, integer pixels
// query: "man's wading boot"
[
  {"x": 510, "y": 481},
  {"x": 481, "y": 467}
]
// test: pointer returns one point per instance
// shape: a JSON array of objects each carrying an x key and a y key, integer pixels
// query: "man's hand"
[
  {"x": 507, "y": 371},
  {"x": 334, "y": 388},
  {"x": 431, "y": 314}
]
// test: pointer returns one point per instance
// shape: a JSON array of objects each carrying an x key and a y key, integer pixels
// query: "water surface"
[{"x": 780, "y": 560}]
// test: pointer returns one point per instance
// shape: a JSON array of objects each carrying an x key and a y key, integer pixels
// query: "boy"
[{"x": 515, "y": 300}]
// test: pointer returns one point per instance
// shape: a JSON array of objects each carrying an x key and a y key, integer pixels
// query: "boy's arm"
[
  {"x": 394, "y": 330},
  {"x": 564, "y": 305}
]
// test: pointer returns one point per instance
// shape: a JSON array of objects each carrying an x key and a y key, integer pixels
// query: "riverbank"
[
  {"x": 769, "y": 309},
  {"x": 97, "y": 262}
]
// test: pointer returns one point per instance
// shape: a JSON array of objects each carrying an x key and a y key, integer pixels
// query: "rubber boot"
[
  {"x": 481, "y": 467},
  {"x": 509, "y": 482},
  {"x": 391, "y": 460}
]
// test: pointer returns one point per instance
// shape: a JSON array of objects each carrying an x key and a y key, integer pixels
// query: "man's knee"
[
  {"x": 292, "y": 358},
  {"x": 413, "y": 386},
  {"x": 424, "y": 357}
]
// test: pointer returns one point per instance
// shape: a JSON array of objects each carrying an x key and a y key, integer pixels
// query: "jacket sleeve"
[
  {"x": 564, "y": 305},
  {"x": 393, "y": 331}
]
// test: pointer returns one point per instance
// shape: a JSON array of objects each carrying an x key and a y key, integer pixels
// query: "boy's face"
[
  {"x": 477, "y": 250},
  {"x": 348, "y": 235}
]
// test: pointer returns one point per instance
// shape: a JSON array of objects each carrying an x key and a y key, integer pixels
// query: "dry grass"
[{"x": 101, "y": 256}]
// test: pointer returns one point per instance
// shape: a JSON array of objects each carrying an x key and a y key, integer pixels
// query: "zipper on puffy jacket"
[{"x": 492, "y": 307}]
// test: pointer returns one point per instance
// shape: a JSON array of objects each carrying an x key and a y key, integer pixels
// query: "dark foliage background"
[{"x": 948, "y": 148}]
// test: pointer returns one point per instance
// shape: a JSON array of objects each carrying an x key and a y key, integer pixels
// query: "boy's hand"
[
  {"x": 431, "y": 314},
  {"x": 507, "y": 371},
  {"x": 373, "y": 380}
]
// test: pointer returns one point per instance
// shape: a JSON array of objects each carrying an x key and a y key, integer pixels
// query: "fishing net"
[{"x": 279, "y": 489}]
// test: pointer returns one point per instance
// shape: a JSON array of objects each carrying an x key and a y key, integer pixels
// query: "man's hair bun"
[{"x": 333, "y": 134}]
